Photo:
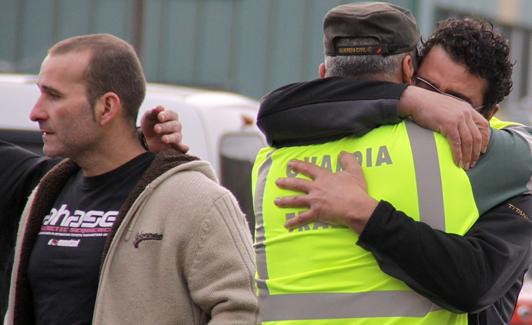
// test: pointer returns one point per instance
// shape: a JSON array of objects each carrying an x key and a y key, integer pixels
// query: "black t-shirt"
[{"x": 65, "y": 261}]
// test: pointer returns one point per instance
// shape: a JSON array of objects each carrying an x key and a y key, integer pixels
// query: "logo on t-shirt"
[
  {"x": 64, "y": 242},
  {"x": 63, "y": 222}
]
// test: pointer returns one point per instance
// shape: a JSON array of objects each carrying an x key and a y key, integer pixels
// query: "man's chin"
[{"x": 51, "y": 152}]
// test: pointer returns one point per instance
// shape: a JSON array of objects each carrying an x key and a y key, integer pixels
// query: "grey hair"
[{"x": 364, "y": 66}]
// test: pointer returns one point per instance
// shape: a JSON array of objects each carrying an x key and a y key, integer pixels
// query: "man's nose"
[{"x": 38, "y": 111}]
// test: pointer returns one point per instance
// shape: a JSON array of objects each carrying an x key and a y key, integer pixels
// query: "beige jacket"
[{"x": 180, "y": 254}]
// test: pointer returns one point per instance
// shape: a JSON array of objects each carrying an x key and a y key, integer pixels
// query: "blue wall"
[{"x": 247, "y": 46}]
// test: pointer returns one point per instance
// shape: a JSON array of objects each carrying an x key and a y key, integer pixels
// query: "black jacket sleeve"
[
  {"x": 20, "y": 171},
  {"x": 461, "y": 273},
  {"x": 327, "y": 109}
]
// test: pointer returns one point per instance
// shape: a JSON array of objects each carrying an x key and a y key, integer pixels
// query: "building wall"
[
  {"x": 247, "y": 46},
  {"x": 29, "y": 27}
]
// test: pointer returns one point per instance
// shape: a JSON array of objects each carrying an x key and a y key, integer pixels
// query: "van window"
[{"x": 237, "y": 155}]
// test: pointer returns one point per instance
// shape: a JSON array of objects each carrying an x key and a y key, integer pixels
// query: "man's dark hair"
[
  {"x": 482, "y": 49},
  {"x": 113, "y": 66}
]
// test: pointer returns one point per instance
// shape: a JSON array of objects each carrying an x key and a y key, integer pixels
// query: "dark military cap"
[{"x": 392, "y": 27}]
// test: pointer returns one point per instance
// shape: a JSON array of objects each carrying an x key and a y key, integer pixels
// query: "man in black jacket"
[{"x": 480, "y": 273}]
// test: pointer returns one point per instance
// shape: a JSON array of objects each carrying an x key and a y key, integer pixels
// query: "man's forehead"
[
  {"x": 437, "y": 59},
  {"x": 70, "y": 66},
  {"x": 450, "y": 75}
]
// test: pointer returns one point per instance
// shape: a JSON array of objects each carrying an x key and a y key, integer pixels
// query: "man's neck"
[{"x": 109, "y": 156}]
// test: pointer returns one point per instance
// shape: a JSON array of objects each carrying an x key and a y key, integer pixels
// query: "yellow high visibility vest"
[{"x": 316, "y": 274}]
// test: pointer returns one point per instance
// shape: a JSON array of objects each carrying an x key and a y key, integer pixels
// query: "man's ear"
[
  {"x": 407, "y": 70},
  {"x": 323, "y": 70},
  {"x": 108, "y": 108},
  {"x": 492, "y": 111}
]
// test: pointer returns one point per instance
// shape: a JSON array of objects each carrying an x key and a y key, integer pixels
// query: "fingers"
[
  {"x": 453, "y": 137},
  {"x": 466, "y": 142},
  {"x": 468, "y": 137},
  {"x": 350, "y": 164},
  {"x": 485, "y": 132},
  {"x": 301, "y": 219},
  {"x": 484, "y": 128},
  {"x": 174, "y": 140},
  {"x": 159, "y": 116},
  {"x": 171, "y": 126},
  {"x": 167, "y": 122},
  {"x": 171, "y": 138},
  {"x": 149, "y": 119},
  {"x": 477, "y": 144},
  {"x": 166, "y": 115},
  {"x": 162, "y": 129},
  {"x": 310, "y": 170},
  {"x": 474, "y": 139},
  {"x": 152, "y": 114},
  {"x": 294, "y": 184},
  {"x": 297, "y": 201},
  {"x": 184, "y": 148}
]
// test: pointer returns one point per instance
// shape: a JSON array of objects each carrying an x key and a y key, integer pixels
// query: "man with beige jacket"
[{"x": 115, "y": 234}]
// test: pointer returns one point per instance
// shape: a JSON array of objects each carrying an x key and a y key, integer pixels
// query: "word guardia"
[{"x": 371, "y": 157}]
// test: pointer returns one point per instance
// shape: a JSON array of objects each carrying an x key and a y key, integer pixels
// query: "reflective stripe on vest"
[
  {"x": 321, "y": 305},
  {"x": 260, "y": 237},
  {"x": 430, "y": 195},
  {"x": 344, "y": 305}
]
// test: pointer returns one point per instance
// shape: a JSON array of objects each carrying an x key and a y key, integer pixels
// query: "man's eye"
[{"x": 54, "y": 96}]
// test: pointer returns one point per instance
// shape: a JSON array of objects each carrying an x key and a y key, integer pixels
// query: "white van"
[{"x": 218, "y": 127}]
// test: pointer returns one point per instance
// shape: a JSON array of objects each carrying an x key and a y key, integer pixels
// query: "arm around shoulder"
[
  {"x": 463, "y": 273},
  {"x": 504, "y": 171}
]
